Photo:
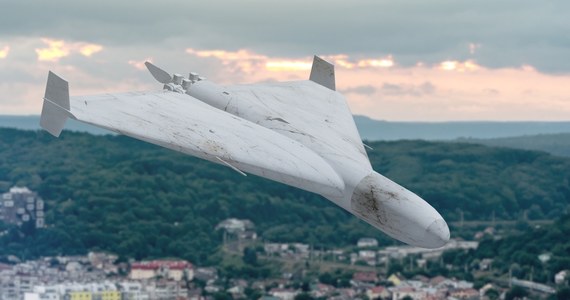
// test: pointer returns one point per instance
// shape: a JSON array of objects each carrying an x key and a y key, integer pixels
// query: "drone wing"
[{"x": 185, "y": 124}]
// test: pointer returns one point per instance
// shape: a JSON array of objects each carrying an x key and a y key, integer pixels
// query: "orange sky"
[
  {"x": 376, "y": 86},
  {"x": 451, "y": 90}
]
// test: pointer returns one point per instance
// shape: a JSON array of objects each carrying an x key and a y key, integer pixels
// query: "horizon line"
[{"x": 393, "y": 121}]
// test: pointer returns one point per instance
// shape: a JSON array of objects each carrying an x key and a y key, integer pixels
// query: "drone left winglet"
[{"x": 299, "y": 133}]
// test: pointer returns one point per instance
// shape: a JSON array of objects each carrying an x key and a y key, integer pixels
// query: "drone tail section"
[
  {"x": 322, "y": 73},
  {"x": 56, "y": 109}
]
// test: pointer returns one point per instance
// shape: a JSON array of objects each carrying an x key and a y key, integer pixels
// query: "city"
[{"x": 358, "y": 272}]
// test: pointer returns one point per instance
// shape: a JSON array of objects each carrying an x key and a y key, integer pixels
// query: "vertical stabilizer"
[
  {"x": 322, "y": 73},
  {"x": 159, "y": 74},
  {"x": 55, "y": 110}
]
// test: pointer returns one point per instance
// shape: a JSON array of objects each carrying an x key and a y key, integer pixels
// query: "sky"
[{"x": 407, "y": 60}]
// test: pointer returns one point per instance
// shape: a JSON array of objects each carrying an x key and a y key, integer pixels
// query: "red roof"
[
  {"x": 365, "y": 276},
  {"x": 437, "y": 280},
  {"x": 157, "y": 264},
  {"x": 469, "y": 292},
  {"x": 377, "y": 289},
  {"x": 406, "y": 289},
  {"x": 325, "y": 287},
  {"x": 5, "y": 267}
]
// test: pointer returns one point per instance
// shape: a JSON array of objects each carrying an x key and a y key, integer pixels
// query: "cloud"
[
  {"x": 139, "y": 64},
  {"x": 513, "y": 32},
  {"x": 89, "y": 49},
  {"x": 4, "y": 52},
  {"x": 445, "y": 90},
  {"x": 347, "y": 62},
  {"x": 57, "y": 49},
  {"x": 360, "y": 89},
  {"x": 408, "y": 92},
  {"x": 246, "y": 61},
  {"x": 426, "y": 88},
  {"x": 239, "y": 61},
  {"x": 491, "y": 92},
  {"x": 453, "y": 65}
]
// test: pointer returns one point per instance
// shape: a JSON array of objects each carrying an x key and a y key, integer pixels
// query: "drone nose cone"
[
  {"x": 437, "y": 234},
  {"x": 398, "y": 212}
]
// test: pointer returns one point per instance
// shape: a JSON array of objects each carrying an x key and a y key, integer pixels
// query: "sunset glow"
[
  {"x": 380, "y": 63},
  {"x": 4, "y": 52},
  {"x": 284, "y": 65},
  {"x": 57, "y": 49},
  {"x": 89, "y": 49},
  {"x": 247, "y": 59},
  {"x": 453, "y": 65},
  {"x": 139, "y": 64},
  {"x": 378, "y": 86}
]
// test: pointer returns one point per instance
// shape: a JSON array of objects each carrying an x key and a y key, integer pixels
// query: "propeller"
[{"x": 159, "y": 74}]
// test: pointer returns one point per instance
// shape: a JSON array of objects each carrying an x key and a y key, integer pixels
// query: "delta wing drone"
[{"x": 299, "y": 133}]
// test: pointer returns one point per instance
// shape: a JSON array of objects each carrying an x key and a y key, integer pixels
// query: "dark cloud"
[
  {"x": 511, "y": 32},
  {"x": 361, "y": 90}
]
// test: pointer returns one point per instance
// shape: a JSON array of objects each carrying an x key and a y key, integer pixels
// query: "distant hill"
[
  {"x": 556, "y": 144},
  {"x": 375, "y": 130},
  {"x": 115, "y": 193},
  {"x": 33, "y": 123}
]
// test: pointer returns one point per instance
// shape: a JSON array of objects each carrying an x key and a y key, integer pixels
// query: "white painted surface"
[
  {"x": 298, "y": 133},
  {"x": 304, "y": 111},
  {"x": 182, "y": 123}
]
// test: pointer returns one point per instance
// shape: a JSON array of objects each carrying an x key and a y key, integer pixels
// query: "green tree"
[
  {"x": 563, "y": 294},
  {"x": 492, "y": 294},
  {"x": 116, "y": 194},
  {"x": 250, "y": 256},
  {"x": 516, "y": 292},
  {"x": 327, "y": 278},
  {"x": 303, "y": 296}
]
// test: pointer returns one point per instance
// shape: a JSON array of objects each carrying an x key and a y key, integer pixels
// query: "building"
[
  {"x": 80, "y": 295},
  {"x": 283, "y": 294},
  {"x": 320, "y": 290},
  {"x": 206, "y": 274},
  {"x": 367, "y": 256},
  {"x": 133, "y": 290},
  {"x": 398, "y": 252},
  {"x": 235, "y": 225},
  {"x": 485, "y": 264},
  {"x": 103, "y": 261},
  {"x": 170, "y": 269},
  {"x": 20, "y": 205},
  {"x": 74, "y": 291},
  {"x": 396, "y": 279},
  {"x": 560, "y": 277},
  {"x": 402, "y": 292},
  {"x": 465, "y": 294},
  {"x": 368, "y": 277},
  {"x": 110, "y": 295},
  {"x": 367, "y": 242},
  {"x": 377, "y": 292}
]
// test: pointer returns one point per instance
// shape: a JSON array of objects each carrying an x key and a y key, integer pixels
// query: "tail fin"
[
  {"x": 159, "y": 74},
  {"x": 55, "y": 110},
  {"x": 322, "y": 73}
]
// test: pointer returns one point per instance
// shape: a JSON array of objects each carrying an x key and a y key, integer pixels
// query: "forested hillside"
[
  {"x": 115, "y": 193},
  {"x": 520, "y": 252},
  {"x": 557, "y": 144}
]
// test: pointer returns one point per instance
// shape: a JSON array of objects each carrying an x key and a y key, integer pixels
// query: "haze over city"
[{"x": 397, "y": 61}]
